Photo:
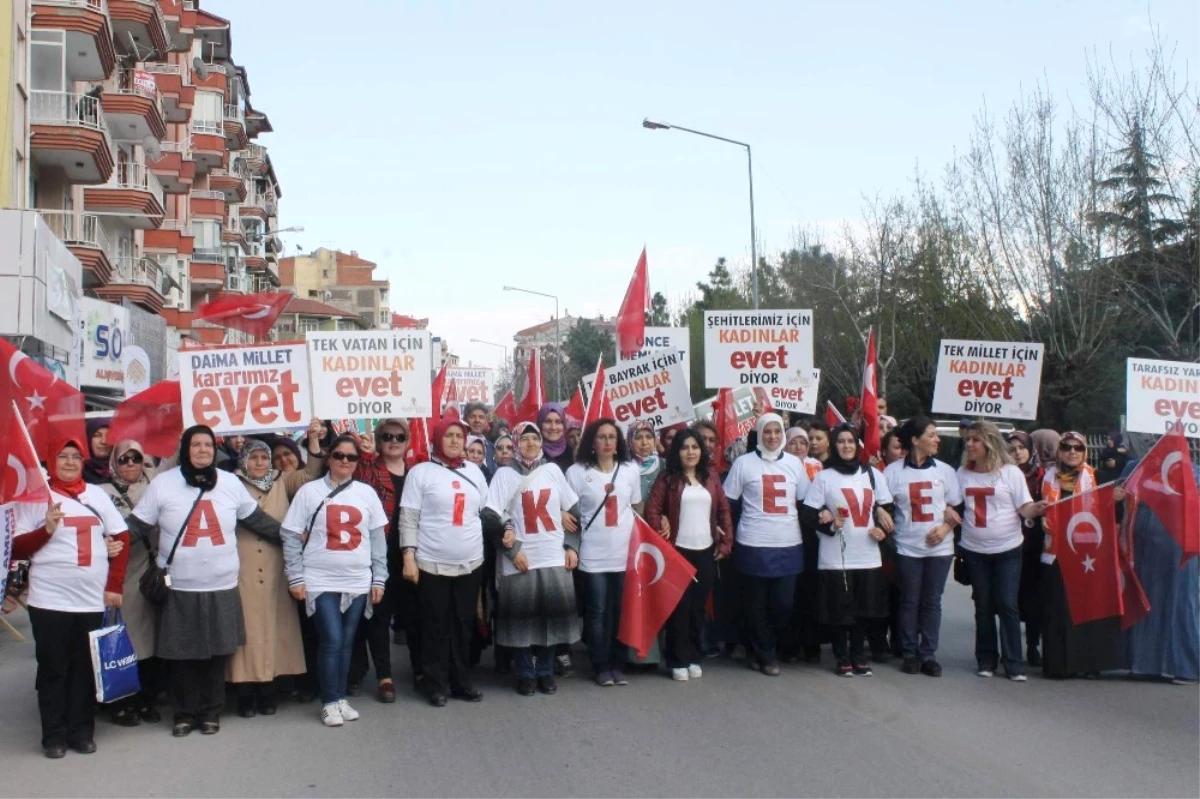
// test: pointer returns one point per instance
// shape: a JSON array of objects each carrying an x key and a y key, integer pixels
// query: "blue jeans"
[
  {"x": 602, "y": 619},
  {"x": 526, "y": 668},
  {"x": 335, "y": 641},
  {"x": 995, "y": 582},
  {"x": 922, "y": 582}
]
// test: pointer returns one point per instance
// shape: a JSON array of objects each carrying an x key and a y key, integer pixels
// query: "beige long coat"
[
  {"x": 273, "y": 646},
  {"x": 139, "y": 614}
]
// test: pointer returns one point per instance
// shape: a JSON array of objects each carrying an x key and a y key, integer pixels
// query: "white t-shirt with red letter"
[
  {"x": 338, "y": 554},
  {"x": 852, "y": 497},
  {"x": 449, "y": 501},
  {"x": 992, "y": 519},
  {"x": 769, "y": 491},
  {"x": 605, "y": 545},
  {"x": 921, "y": 497},
  {"x": 535, "y": 504},
  {"x": 70, "y": 571}
]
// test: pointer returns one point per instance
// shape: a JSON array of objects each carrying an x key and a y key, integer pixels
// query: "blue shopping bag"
[{"x": 114, "y": 663}]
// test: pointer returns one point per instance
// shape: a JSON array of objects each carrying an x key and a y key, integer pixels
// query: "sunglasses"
[
  {"x": 1072, "y": 448},
  {"x": 131, "y": 457},
  {"x": 344, "y": 456},
  {"x": 399, "y": 438}
]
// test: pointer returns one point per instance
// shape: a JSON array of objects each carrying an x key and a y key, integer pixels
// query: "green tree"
[{"x": 658, "y": 315}]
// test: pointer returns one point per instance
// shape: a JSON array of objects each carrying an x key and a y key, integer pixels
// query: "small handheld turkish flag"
[
  {"x": 577, "y": 408},
  {"x": 153, "y": 418},
  {"x": 506, "y": 408},
  {"x": 253, "y": 314},
  {"x": 1163, "y": 482},
  {"x": 1085, "y": 529},
  {"x": 599, "y": 406},
  {"x": 726, "y": 420},
  {"x": 23, "y": 479},
  {"x": 656, "y": 577}
]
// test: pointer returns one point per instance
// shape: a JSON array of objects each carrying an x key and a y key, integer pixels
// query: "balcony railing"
[
  {"x": 175, "y": 224},
  {"x": 236, "y": 281},
  {"x": 126, "y": 85},
  {"x": 77, "y": 229},
  {"x": 209, "y": 127},
  {"x": 208, "y": 256},
  {"x": 136, "y": 269},
  {"x": 206, "y": 194},
  {"x": 94, "y": 5},
  {"x": 257, "y": 151},
  {"x": 66, "y": 108},
  {"x": 234, "y": 112},
  {"x": 137, "y": 177}
]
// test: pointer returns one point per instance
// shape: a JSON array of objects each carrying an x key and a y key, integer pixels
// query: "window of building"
[
  {"x": 48, "y": 61},
  {"x": 207, "y": 235},
  {"x": 308, "y": 323},
  {"x": 208, "y": 113}
]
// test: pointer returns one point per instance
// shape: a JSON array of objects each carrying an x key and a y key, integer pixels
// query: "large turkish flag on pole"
[
  {"x": 870, "y": 400},
  {"x": 253, "y": 314},
  {"x": 656, "y": 576},
  {"x": 1085, "y": 531},
  {"x": 1163, "y": 482},
  {"x": 631, "y": 319},
  {"x": 534, "y": 396}
]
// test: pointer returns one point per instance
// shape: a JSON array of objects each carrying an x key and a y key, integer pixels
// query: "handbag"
[
  {"x": 114, "y": 662},
  {"x": 155, "y": 583}
]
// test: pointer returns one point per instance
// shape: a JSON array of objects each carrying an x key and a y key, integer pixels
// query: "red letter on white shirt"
[
  {"x": 772, "y": 493},
  {"x": 980, "y": 495},
  {"x": 342, "y": 520},
  {"x": 860, "y": 513},
  {"x": 82, "y": 525},
  {"x": 920, "y": 501},
  {"x": 536, "y": 512},
  {"x": 203, "y": 524}
]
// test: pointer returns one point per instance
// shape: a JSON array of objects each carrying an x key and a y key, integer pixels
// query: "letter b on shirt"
[{"x": 342, "y": 533}]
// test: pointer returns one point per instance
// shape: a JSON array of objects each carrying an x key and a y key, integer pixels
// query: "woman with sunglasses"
[
  {"x": 336, "y": 560},
  {"x": 1071, "y": 649},
  {"x": 504, "y": 449},
  {"x": 273, "y": 645},
  {"x": 384, "y": 468}
]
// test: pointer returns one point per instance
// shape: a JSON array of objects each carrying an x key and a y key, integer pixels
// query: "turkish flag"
[
  {"x": 656, "y": 576},
  {"x": 833, "y": 417},
  {"x": 870, "y": 401},
  {"x": 506, "y": 408},
  {"x": 631, "y": 319},
  {"x": 23, "y": 479},
  {"x": 599, "y": 406},
  {"x": 725, "y": 418},
  {"x": 253, "y": 314},
  {"x": 1085, "y": 543},
  {"x": 50, "y": 408},
  {"x": 1163, "y": 482},
  {"x": 534, "y": 396},
  {"x": 576, "y": 408},
  {"x": 153, "y": 418},
  {"x": 418, "y": 442}
]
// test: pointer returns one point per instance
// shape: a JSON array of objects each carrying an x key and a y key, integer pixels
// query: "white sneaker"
[
  {"x": 985, "y": 672},
  {"x": 695, "y": 672},
  {"x": 348, "y": 713},
  {"x": 679, "y": 675},
  {"x": 1017, "y": 677},
  {"x": 331, "y": 715}
]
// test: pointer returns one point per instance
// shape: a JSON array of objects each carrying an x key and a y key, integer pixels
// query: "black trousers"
[
  {"x": 803, "y": 633},
  {"x": 197, "y": 689},
  {"x": 408, "y": 611},
  {"x": 848, "y": 641},
  {"x": 685, "y": 627},
  {"x": 447, "y": 617},
  {"x": 66, "y": 688},
  {"x": 374, "y": 636}
]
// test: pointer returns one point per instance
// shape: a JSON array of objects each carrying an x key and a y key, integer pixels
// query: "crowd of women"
[{"x": 293, "y": 566}]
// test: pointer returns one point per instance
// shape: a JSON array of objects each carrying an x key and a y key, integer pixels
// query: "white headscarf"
[{"x": 763, "y": 421}]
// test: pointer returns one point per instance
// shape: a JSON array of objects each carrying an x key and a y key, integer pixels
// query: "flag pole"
[{"x": 1084, "y": 493}]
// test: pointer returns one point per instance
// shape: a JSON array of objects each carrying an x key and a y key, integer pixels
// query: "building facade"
[
  {"x": 343, "y": 280},
  {"x": 550, "y": 335}
]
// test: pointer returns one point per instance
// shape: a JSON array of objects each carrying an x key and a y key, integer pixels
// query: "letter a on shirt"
[{"x": 203, "y": 524}]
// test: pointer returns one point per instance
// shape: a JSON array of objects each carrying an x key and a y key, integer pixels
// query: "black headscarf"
[
  {"x": 835, "y": 461},
  {"x": 205, "y": 478}
]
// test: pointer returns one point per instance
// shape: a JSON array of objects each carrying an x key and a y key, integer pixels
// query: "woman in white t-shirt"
[
  {"x": 441, "y": 541},
  {"x": 765, "y": 488},
  {"x": 196, "y": 509},
  {"x": 610, "y": 493},
  {"x": 71, "y": 582},
  {"x": 996, "y": 499},
  {"x": 848, "y": 504},
  {"x": 335, "y": 556},
  {"x": 532, "y": 516},
  {"x": 925, "y": 491}
]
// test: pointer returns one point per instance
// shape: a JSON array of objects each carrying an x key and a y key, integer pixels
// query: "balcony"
[
  {"x": 143, "y": 21},
  {"x": 208, "y": 274},
  {"x": 256, "y": 159},
  {"x": 207, "y": 204},
  {"x": 257, "y": 123},
  {"x": 175, "y": 85},
  {"x": 209, "y": 150},
  {"x": 230, "y": 185},
  {"x": 173, "y": 12},
  {"x": 68, "y": 132},
  {"x": 138, "y": 279},
  {"x": 133, "y": 194},
  {"x": 86, "y": 238},
  {"x": 175, "y": 169},
  {"x": 213, "y": 77},
  {"x": 235, "y": 128},
  {"x": 173, "y": 237},
  {"x": 134, "y": 110},
  {"x": 237, "y": 282},
  {"x": 89, "y": 35}
]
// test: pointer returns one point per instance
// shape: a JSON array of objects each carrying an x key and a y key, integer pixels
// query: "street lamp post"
[
  {"x": 650, "y": 124},
  {"x": 557, "y": 333},
  {"x": 493, "y": 344}
]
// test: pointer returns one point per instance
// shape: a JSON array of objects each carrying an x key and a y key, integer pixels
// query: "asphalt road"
[{"x": 732, "y": 733}]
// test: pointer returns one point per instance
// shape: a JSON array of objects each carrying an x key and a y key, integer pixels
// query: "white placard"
[
  {"x": 246, "y": 389},
  {"x": 135, "y": 363},
  {"x": 663, "y": 339},
  {"x": 1159, "y": 393},
  {"x": 371, "y": 374},
  {"x": 757, "y": 348},
  {"x": 988, "y": 378},
  {"x": 471, "y": 385},
  {"x": 796, "y": 399},
  {"x": 651, "y": 389},
  {"x": 107, "y": 331}
]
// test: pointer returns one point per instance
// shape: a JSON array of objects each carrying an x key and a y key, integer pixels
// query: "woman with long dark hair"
[
  {"x": 689, "y": 496},
  {"x": 1029, "y": 595},
  {"x": 610, "y": 493}
]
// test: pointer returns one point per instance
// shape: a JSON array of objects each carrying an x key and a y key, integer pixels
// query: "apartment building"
[
  {"x": 135, "y": 138},
  {"x": 303, "y": 315},
  {"x": 551, "y": 334},
  {"x": 343, "y": 280}
]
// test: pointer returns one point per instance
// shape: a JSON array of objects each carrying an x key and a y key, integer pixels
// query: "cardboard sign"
[
  {"x": 1159, "y": 393},
  {"x": 471, "y": 385},
  {"x": 988, "y": 378},
  {"x": 662, "y": 339},
  {"x": 651, "y": 389},
  {"x": 246, "y": 389},
  {"x": 370, "y": 374},
  {"x": 757, "y": 348},
  {"x": 796, "y": 399}
]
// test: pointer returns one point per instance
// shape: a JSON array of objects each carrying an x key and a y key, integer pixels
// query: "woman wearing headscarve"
[
  {"x": 441, "y": 541},
  {"x": 1045, "y": 444},
  {"x": 765, "y": 489},
  {"x": 504, "y": 448},
  {"x": 643, "y": 449},
  {"x": 286, "y": 456},
  {"x": 798, "y": 445},
  {"x": 71, "y": 582},
  {"x": 532, "y": 516},
  {"x": 130, "y": 477},
  {"x": 552, "y": 422},
  {"x": 96, "y": 470},
  {"x": 273, "y": 645},
  {"x": 848, "y": 504},
  {"x": 1029, "y": 597},
  {"x": 574, "y": 433},
  {"x": 1071, "y": 649},
  {"x": 1113, "y": 458},
  {"x": 196, "y": 508},
  {"x": 477, "y": 453}
]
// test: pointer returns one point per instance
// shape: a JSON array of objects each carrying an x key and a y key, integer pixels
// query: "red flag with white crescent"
[
  {"x": 50, "y": 407},
  {"x": 1163, "y": 481},
  {"x": 506, "y": 408},
  {"x": 656, "y": 577},
  {"x": 153, "y": 418},
  {"x": 599, "y": 406},
  {"x": 1085, "y": 546},
  {"x": 534, "y": 395},
  {"x": 631, "y": 319},
  {"x": 23, "y": 479},
  {"x": 725, "y": 417},
  {"x": 253, "y": 314}
]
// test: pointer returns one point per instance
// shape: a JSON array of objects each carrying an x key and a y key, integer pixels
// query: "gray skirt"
[
  {"x": 537, "y": 608},
  {"x": 198, "y": 625}
]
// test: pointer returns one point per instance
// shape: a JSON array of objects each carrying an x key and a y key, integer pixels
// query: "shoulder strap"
[
  {"x": 608, "y": 490},
  {"x": 313, "y": 519},
  {"x": 186, "y": 520},
  {"x": 457, "y": 472}
]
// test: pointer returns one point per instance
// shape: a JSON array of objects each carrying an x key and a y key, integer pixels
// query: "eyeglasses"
[
  {"x": 399, "y": 438},
  {"x": 130, "y": 457},
  {"x": 344, "y": 456},
  {"x": 1072, "y": 448}
]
